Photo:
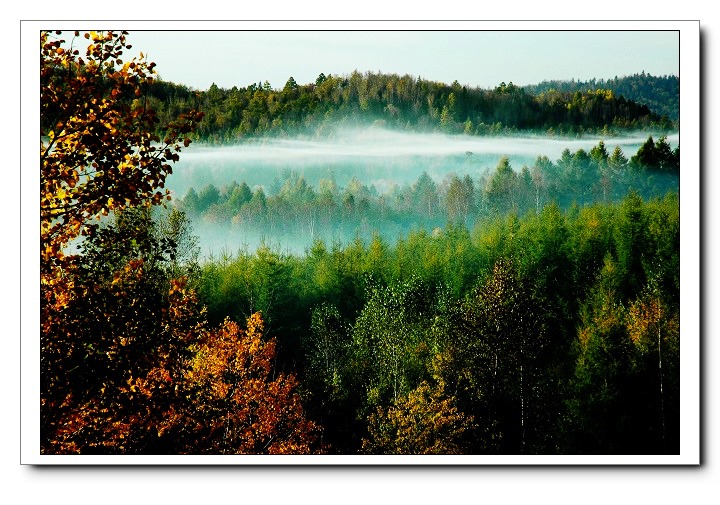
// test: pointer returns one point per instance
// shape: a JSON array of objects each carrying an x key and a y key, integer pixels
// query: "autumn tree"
[
  {"x": 98, "y": 152},
  {"x": 113, "y": 322},
  {"x": 113, "y": 359},
  {"x": 654, "y": 329},
  {"x": 242, "y": 405},
  {"x": 426, "y": 421}
]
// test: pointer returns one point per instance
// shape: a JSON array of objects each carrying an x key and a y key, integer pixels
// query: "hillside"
[
  {"x": 660, "y": 93},
  {"x": 401, "y": 102}
]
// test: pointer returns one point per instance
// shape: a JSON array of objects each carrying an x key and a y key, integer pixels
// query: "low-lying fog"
[{"x": 376, "y": 157}]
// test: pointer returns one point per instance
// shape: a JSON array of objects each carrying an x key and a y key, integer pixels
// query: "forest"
[
  {"x": 412, "y": 103},
  {"x": 290, "y": 209},
  {"x": 660, "y": 93},
  {"x": 521, "y": 310}
]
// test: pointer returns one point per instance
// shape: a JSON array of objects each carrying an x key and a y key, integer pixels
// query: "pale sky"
[{"x": 198, "y": 58}]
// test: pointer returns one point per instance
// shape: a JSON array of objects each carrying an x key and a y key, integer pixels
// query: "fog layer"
[
  {"x": 380, "y": 159},
  {"x": 374, "y": 156}
]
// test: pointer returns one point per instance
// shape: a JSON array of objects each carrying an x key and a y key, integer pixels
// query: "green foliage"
[
  {"x": 522, "y": 323},
  {"x": 390, "y": 339},
  {"x": 295, "y": 212},
  {"x": 400, "y": 102},
  {"x": 660, "y": 93},
  {"x": 656, "y": 156}
]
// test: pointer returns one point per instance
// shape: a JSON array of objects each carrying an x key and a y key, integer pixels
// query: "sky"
[{"x": 472, "y": 57}]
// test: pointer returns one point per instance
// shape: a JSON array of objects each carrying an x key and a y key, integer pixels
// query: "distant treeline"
[
  {"x": 292, "y": 209},
  {"x": 405, "y": 102},
  {"x": 661, "y": 94}
]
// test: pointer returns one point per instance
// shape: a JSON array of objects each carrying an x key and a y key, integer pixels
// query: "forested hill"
[
  {"x": 660, "y": 94},
  {"x": 403, "y": 102}
]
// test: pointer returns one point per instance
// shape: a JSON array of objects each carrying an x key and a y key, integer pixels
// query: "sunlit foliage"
[
  {"x": 242, "y": 406},
  {"x": 408, "y": 102},
  {"x": 423, "y": 422}
]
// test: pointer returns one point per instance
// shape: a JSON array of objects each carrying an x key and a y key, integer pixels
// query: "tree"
[
  {"x": 646, "y": 157},
  {"x": 243, "y": 405},
  {"x": 114, "y": 324},
  {"x": 666, "y": 158},
  {"x": 238, "y": 197},
  {"x": 113, "y": 358},
  {"x": 127, "y": 364},
  {"x": 617, "y": 161},
  {"x": 500, "y": 352},
  {"x": 626, "y": 390},
  {"x": 181, "y": 245},
  {"x": 654, "y": 329},
  {"x": 544, "y": 177},
  {"x": 390, "y": 342},
  {"x": 98, "y": 152},
  {"x": 208, "y": 197},
  {"x": 599, "y": 405},
  {"x": 426, "y": 421},
  {"x": 631, "y": 243},
  {"x": 425, "y": 197},
  {"x": 191, "y": 203},
  {"x": 579, "y": 176},
  {"x": 502, "y": 187},
  {"x": 603, "y": 174},
  {"x": 599, "y": 154},
  {"x": 460, "y": 199}
]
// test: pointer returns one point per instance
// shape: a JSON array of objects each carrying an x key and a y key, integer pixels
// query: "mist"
[
  {"x": 381, "y": 159},
  {"x": 374, "y": 156}
]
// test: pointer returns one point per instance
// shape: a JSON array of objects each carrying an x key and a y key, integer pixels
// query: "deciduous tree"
[
  {"x": 114, "y": 324},
  {"x": 243, "y": 405},
  {"x": 98, "y": 152},
  {"x": 426, "y": 421},
  {"x": 654, "y": 329}
]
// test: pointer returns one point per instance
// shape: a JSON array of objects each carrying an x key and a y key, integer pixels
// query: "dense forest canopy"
[
  {"x": 412, "y": 103},
  {"x": 522, "y": 310},
  {"x": 660, "y": 93}
]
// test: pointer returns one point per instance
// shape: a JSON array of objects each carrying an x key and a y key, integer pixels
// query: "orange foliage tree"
[
  {"x": 99, "y": 155},
  {"x": 654, "y": 329},
  {"x": 243, "y": 407}
]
